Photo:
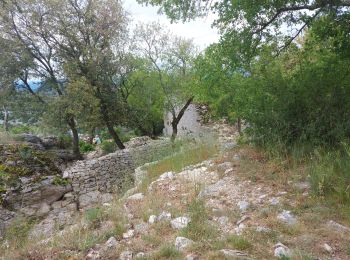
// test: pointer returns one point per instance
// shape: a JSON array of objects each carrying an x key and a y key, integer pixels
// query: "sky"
[{"x": 199, "y": 30}]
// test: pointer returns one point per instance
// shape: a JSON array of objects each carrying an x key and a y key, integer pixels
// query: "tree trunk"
[
  {"x": 6, "y": 119},
  {"x": 174, "y": 132},
  {"x": 109, "y": 125},
  {"x": 239, "y": 125},
  {"x": 176, "y": 119},
  {"x": 73, "y": 128}
]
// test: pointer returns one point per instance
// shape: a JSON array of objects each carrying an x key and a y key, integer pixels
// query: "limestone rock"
[
  {"x": 129, "y": 234},
  {"x": 137, "y": 196},
  {"x": 111, "y": 242},
  {"x": 233, "y": 253},
  {"x": 274, "y": 201},
  {"x": 89, "y": 199},
  {"x": 164, "y": 216},
  {"x": 224, "y": 166},
  {"x": 126, "y": 255},
  {"x": 181, "y": 243},
  {"x": 141, "y": 228},
  {"x": 140, "y": 255},
  {"x": 243, "y": 205},
  {"x": 327, "y": 248},
  {"x": 287, "y": 217},
  {"x": 262, "y": 229},
  {"x": 338, "y": 227},
  {"x": 93, "y": 254},
  {"x": 180, "y": 222},
  {"x": 165, "y": 176},
  {"x": 152, "y": 219},
  {"x": 282, "y": 251},
  {"x": 192, "y": 257}
]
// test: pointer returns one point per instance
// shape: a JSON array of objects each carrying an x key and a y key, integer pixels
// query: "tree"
[
  {"x": 30, "y": 24},
  {"x": 145, "y": 101},
  {"x": 246, "y": 25},
  {"x": 171, "y": 58},
  {"x": 91, "y": 40}
]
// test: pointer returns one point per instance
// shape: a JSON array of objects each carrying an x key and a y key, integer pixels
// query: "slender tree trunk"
[
  {"x": 174, "y": 132},
  {"x": 73, "y": 128},
  {"x": 239, "y": 125},
  {"x": 6, "y": 119},
  {"x": 109, "y": 125},
  {"x": 176, "y": 119}
]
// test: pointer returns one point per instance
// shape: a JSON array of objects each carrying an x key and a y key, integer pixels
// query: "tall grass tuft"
[{"x": 330, "y": 175}]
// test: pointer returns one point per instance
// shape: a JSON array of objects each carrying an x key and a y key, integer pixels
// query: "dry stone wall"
[{"x": 94, "y": 181}]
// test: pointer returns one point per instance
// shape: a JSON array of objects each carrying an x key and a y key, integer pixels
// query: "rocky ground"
[{"x": 237, "y": 205}]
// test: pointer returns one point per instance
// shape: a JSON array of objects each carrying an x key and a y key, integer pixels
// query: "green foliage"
[
  {"x": 108, "y": 146},
  {"x": 21, "y": 129},
  {"x": 94, "y": 217},
  {"x": 86, "y": 147},
  {"x": 25, "y": 152},
  {"x": 330, "y": 175},
  {"x": 58, "y": 180}
]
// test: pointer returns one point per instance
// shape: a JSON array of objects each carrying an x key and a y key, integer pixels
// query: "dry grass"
[{"x": 307, "y": 237}]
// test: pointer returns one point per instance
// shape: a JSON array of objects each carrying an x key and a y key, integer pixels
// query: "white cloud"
[{"x": 199, "y": 30}]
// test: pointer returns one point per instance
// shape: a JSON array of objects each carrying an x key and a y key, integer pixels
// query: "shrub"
[
  {"x": 86, "y": 147},
  {"x": 94, "y": 217},
  {"x": 108, "y": 146}
]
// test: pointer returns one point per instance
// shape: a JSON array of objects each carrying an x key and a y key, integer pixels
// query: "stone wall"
[{"x": 95, "y": 180}]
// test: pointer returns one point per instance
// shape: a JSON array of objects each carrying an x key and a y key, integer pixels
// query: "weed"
[
  {"x": 94, "y": 217},
  {"x": 167, "y": 251}
]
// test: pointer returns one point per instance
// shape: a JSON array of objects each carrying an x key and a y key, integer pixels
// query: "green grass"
[
  {"x": 199, "y": 229},
  {"x": 188, "y": 156},
  {"x": 330, "y": 176},
  {"x": 167, "y": 251}
]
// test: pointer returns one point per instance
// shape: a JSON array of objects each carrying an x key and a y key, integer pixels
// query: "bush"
[
  {"x": 108, "y": 146},
  {"x": 86, "y": 147}
]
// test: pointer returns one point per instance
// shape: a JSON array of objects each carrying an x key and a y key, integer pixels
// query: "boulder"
[
  {"x": 182, "y": 243},
  {"x": 180, "y": 222},
  {"x": 287, "y": 217},
  {"x": 282, "y": 251}
]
